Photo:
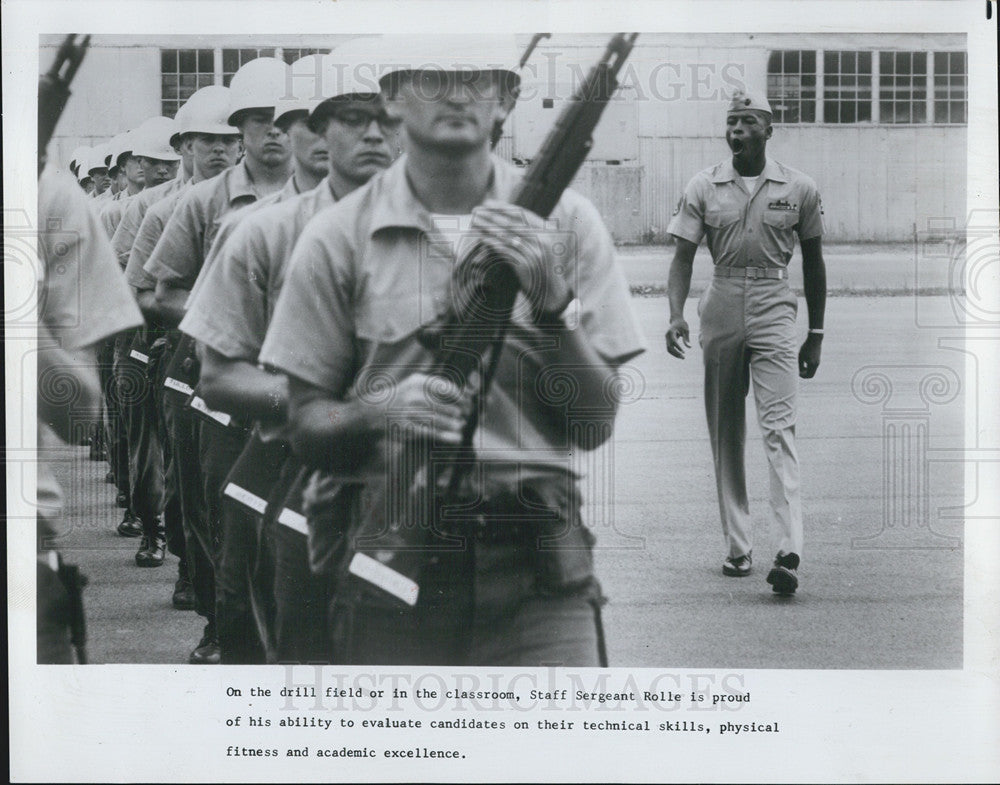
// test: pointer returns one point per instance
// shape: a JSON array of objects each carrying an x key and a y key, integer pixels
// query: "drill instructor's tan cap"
[{"x": 747, "y": 100}]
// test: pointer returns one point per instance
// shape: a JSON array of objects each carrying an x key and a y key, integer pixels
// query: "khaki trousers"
[{"x": 748, "y": 334}]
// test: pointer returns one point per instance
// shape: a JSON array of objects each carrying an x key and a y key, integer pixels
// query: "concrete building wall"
[
  {"x": 668, "y": 121},
  {"x": 876, "y": 182},
  {"x": 665, "y": 124},
  {"x": 115, "y": 88}
]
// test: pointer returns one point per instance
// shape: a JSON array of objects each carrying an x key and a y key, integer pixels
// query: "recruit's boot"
[
  {"x": 183, "y": 596},
  {"x": 153, "y": 547}
]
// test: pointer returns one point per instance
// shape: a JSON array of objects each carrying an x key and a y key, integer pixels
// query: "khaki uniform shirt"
[
  {"x": 368, "y": 272},
  {"x": 749, "y": 230},
  {"x": 232, "y": 220},
  {"x": 150, "y": 231},
  {"x": 192, "y": 227},
  {"x": 83, "y": 297},
  {"x": 111, "y": 213},
  {"x": 131, "y": 220},
  {"x": 231, "y": 306}
]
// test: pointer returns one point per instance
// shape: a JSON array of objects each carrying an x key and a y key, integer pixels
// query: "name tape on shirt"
[
  {"x": 220, "y": 417},
  {"x": 295, "y": 521},
  {"x": 135, "y": 354},
  {"x": 782, "y": 204},
  {"x": 386, "y": 578},
  {"x": 177, "y": 384},
  {"x": 242, "y": 495}
]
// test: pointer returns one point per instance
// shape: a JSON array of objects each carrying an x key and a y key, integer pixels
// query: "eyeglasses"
[{"x": 357, "y": 119}]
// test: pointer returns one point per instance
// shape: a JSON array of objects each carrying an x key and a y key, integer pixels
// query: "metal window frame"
[
  {"x": 912, "y": 74},
  {"x": 951, "y": 98},
  {"x": 177, "y": 73},
  {"x": 800, "y": 73},
  {"x": 858, "y": 101},
  {"x": 876, "y": 88}
]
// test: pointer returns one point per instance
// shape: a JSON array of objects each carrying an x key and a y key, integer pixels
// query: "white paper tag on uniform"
[
  {"x": 242, "y": 495},
  {"x": 220, "y": 417},
  {"x": 386, "y": 578},
  {"x": 174, "y": 384},
  {"x": 295, "y": 521},
  {"x": 135, "y": 354}
]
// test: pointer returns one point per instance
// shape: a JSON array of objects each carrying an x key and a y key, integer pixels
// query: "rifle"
[
  {"x": 53, "y": 90},
  {"x": 73, "y": 582},
  {"x": 512, "y": 99},
  {"x": 390, "y": 542}
]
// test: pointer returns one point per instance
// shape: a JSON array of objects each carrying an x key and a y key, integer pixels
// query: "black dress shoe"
[
  {"x": 783, "y": 577},
  {"x": 206, "y": 652},
  {"x": 183, "y": 597},
  {"x": 151, "y": 552},
  {"x": 130, "y": 527}
]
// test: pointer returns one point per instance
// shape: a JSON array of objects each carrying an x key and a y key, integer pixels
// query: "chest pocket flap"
[
  {"x": 781, "y": 219},
  {"x": 718, "y": 217}
]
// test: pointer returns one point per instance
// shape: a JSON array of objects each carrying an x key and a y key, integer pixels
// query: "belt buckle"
[{"x": 751, "y": 272}]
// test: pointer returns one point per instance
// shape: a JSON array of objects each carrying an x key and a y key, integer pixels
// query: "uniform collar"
[
  {"x": 327, "y": 187},
  {"x": 725, "y": 172},
  {"x": 240, "y": 184},
  {"x": 289, "y": 189},
  {"x": 398, "y": 206}
]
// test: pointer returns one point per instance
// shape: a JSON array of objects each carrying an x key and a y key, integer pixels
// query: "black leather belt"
[{"x": 501, "y": 520}]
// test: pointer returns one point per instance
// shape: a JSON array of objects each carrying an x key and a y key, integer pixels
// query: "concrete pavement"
[
  {"x": 925, "y": 267},
  {"x": 870, "y": 597},
  {"x": 893, "y": 600}
]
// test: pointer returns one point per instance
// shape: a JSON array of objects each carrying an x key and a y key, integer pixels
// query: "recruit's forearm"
[
  {"x": 170, "y": 301},
  {"x": 234, "y": 385},
  {"x": 327, "y": 433},
  {"x": 151, "y": 311}
]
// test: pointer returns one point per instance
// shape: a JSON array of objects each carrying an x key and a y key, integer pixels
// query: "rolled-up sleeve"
[
  {"x": 311, "y": 334},
  {"x": 128, "y": 227},
  {"x": 179, "y": 253},
  {"x": 810, "y": 213},
  {"x": 688, "y": 221},
  {"x": 228, "y": 310},
  {"x": 606, "y": 313},
  {"x": 145, "y": 242}
]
